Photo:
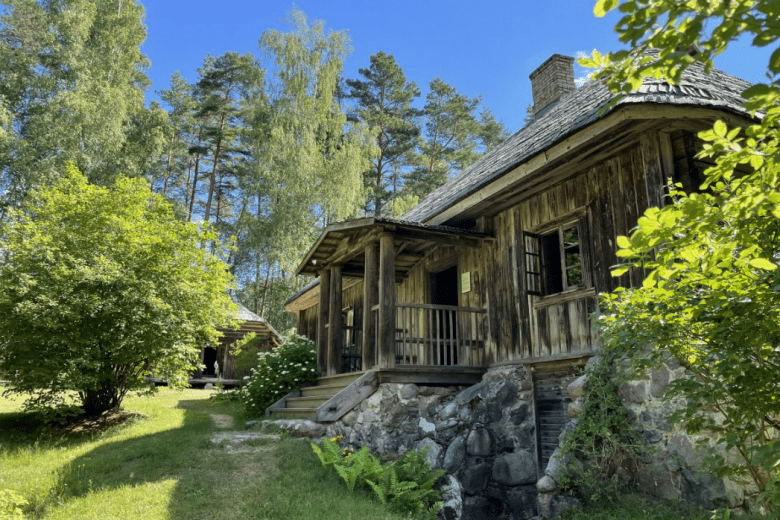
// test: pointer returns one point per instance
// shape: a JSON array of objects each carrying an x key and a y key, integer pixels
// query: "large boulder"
[{"x": 515, "y": 469}]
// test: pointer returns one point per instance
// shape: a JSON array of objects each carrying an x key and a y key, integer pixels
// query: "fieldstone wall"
[
  {"x": 483, "y": 436},
  {"x": 672, "y": 471}
]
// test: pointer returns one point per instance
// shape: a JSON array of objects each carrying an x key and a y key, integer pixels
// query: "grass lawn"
[{"x": 163, "y": 465}]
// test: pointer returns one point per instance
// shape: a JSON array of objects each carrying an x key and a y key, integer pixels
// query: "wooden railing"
[
  {"x": 438, "y": 335},
  {"x": 351, "y": 349}
]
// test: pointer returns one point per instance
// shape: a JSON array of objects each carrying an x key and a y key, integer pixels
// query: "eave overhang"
[{"x": 344, "y": 244}]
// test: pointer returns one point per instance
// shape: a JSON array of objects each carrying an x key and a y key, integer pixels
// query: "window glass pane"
[{"x": 571, "y": 245}]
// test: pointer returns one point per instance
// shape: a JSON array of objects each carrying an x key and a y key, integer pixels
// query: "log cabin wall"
[
  {"x": 307, "y": 322},
  {"x": 604, "y": 199}
]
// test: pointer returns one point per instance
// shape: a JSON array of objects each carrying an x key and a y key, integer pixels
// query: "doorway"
[
  {"x": 444, "y": 291},
  {"x": 209, "y": 357}
]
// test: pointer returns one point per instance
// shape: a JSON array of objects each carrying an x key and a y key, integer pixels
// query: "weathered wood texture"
[
  {"x": 386, "y": 322},
  {"x": 307, "y": 322},
  {"x": 338, "y": 405},
  {"x": 370, "y": 298},
  {"x": 322, "y": 322},
  {"x": 335, "y": 323},
  {"x": 602, "y": 199}
]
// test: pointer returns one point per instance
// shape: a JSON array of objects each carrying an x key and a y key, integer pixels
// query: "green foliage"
[
  {"x": 405, "y": 485},
  {"x": 72, "y": 87},
  {"x": 384, "y": 102},
  {"x": 711, "y": 300},
  {"x": 11, "y": 505},
  {"x": 100, "y": 288},
  {"x": 245, "y": 351},
  {"x": 632, "y": 506},
  {"x": 604, "y": 442},
  {"x": 279, "y": 372}
]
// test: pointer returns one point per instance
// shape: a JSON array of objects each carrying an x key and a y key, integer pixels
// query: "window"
[{"x": 554, "y": 260}]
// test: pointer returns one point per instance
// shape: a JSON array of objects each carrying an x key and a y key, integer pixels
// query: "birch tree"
[{"x": 72, "y": 81}]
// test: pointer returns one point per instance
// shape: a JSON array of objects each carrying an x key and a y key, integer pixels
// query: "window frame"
[{"x": 536, "y": 268}]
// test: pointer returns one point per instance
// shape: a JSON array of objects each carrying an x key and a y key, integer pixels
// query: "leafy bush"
[
  {"x": 245, "y": 350},
  {"x": 405, "y": 485},
  {"x": 102, "y": 286},
  {"x": 279, "y": 372},
  {"x": 606, "y": 445}
]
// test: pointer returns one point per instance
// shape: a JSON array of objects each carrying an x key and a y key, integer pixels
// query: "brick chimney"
[{"x": 549, "y": 82}]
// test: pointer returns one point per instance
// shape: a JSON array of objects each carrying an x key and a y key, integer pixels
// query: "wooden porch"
[{"x": 389, "y": 333}]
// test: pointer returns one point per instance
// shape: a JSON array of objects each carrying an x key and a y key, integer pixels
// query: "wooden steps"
[
  {"x": 331, "y": 397},
  {"x": 304, "y": 403}
]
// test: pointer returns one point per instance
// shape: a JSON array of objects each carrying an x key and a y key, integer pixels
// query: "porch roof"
[{"x": 344, "y": 243}]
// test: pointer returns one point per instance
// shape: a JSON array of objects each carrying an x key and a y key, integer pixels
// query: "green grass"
[
  {"x": 637, "y": 507},
  {"x": 163, "y": 465}
]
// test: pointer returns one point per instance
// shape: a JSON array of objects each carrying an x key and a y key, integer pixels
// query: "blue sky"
[{"x": 486, "y": 47}]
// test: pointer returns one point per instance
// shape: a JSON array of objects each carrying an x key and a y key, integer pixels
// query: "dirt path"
[{"x": 222, "y": 421}]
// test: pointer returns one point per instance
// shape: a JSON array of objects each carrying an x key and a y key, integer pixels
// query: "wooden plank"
[
  {"x": 386, "y": 346},
  {"x": 654, "y": 174},
  {"x": 322, "y": 322},
  {"x": 354, "y": 394},
  {"x": 282, "y": 403}
]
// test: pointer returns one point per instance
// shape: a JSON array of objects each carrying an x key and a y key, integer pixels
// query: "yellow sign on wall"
[{"x": 465, "y": 282}]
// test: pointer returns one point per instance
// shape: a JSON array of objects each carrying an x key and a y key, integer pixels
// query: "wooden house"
[
  {"x": 503, "y": 264},
  {"x": 220, "y": 354}
]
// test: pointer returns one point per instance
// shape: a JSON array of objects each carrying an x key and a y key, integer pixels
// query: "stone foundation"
[
  {"x": 673, "y": 470},
  {"x": 483, "y": 436}
]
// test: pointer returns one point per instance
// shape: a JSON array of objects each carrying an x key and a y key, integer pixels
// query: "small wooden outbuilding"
[{"x": 211, "y": 355}]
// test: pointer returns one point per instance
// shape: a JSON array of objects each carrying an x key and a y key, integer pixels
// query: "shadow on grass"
[
  {"x": 282, "y": 480},
  {"x": 22, "y": 430},
  {"x": 185, "y": 454}
]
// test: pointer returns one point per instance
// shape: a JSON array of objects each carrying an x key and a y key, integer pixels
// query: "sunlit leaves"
[
  {"x": 102, "y": 287},
  {"x": 72, "y": 81},
  {"x": 710, "y": 301}
]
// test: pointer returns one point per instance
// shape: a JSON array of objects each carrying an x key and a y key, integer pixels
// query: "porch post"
[
  {"x": 322, "y": 322},
  {"x": 386, "y": 346},
  {"x": 370, "y": 298},
  {"x": 335, "y": 332}
]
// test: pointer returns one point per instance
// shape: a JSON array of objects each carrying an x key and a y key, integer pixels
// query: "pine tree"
[{"x": 383, "y": 101}]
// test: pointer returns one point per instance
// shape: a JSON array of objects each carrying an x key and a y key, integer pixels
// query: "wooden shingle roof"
[
  {"x": 251, "y": 322},
  {"x": 572, "y": 113}
]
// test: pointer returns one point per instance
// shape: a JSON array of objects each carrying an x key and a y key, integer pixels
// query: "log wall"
[{"x": 605, "y": 199}]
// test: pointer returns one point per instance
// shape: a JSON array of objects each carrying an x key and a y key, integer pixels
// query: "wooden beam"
[
  {"x": 334, "y": 322},
  {"x": 322, "y": 322},
  {"x": 386, "y": 346},
  {"x": 651, "y": 162},
  {"x": 370, "y": 298}
]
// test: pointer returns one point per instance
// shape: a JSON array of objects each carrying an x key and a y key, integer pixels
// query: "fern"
[
  {"x": 406, "y": 485},
  {"x": 329, "y": 454}
]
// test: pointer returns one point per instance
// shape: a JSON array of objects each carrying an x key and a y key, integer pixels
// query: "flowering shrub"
[{"x": 279, "y": 372}]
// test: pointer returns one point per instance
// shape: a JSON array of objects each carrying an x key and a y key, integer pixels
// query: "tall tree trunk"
[
  {"x": 271, "y": 268},
  {"x": 169, "y": 165},
  {"x": 215, "y": 166},
  {"x": 195, "y": 176}
]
